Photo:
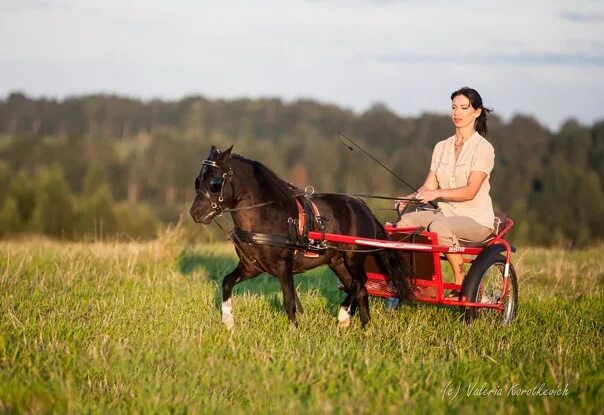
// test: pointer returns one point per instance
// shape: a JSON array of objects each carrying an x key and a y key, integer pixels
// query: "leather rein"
[{"x": 299, "y": 243}]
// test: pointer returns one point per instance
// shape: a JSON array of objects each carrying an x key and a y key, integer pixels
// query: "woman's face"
[{"x": 462, "y": 112}]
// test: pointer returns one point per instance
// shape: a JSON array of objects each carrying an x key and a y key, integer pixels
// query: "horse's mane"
[{"x": 269, "y": 180}]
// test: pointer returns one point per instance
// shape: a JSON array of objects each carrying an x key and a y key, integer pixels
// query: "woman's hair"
[{"x": 476, "y": 100}]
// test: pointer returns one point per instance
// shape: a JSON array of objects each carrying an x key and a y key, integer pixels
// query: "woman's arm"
[
  {"x": 458, "y": 194},
  {"x": 429, "y": 184}
]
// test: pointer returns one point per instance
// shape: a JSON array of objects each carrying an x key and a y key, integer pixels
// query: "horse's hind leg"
[
  {"x": 348, "y": 306},
  {"x": 240, "y": 273},
  {"x": 355, "y": 264}
]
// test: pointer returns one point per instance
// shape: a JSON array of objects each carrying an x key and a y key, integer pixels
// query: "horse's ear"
[{"x": 227, "y": 152}]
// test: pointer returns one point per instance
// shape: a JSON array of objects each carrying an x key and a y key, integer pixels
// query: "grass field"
[{"x": 135, "y": 328}]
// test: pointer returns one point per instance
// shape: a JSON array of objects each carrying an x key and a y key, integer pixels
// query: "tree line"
[{"x": 103, "y": 165}]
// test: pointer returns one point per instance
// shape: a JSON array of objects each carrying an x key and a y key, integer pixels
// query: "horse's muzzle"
[{"x": 202, "y": 217}]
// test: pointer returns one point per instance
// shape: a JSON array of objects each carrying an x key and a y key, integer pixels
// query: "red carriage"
[{"x": 490, "y": 284}]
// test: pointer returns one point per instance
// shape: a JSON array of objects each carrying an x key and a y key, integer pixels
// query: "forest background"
[{"x": 105, "y": 166}]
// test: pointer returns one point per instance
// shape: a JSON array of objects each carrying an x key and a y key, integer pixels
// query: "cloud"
[
  {"x": 581, "y": 17},
  {"x": 549, "y": 59}
]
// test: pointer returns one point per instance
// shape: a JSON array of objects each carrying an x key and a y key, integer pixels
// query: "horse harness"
[{"x": 309, "y": 219}]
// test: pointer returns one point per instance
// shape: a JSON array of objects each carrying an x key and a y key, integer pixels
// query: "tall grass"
[{"x": 135, "y": 328}]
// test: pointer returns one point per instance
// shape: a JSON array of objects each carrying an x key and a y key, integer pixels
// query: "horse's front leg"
[
  {"x": 240, "y": 273},
  {"x": 285, "y": 275},
  {"x": 299, "y": 307},
  {"x": 289, "y": 298}
]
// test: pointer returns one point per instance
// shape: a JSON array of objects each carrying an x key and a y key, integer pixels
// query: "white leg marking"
[
  {"x": 227, "y": 314},
  {"x": 343, "y": 318}
]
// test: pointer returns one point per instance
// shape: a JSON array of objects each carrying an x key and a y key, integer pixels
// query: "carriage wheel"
[{"x": 484, "y": 284}]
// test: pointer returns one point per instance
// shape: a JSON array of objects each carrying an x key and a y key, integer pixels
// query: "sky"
[{"x": 543, "y": 58}]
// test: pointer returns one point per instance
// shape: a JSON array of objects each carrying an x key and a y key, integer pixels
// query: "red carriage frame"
[{"x": 428, "y": 281}]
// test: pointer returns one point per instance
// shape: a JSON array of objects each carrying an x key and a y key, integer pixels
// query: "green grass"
[{"x": 135, "y": 328}]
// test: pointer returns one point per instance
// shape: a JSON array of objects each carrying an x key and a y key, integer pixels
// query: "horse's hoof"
[
  {"x": 343, "y": 318},
  {"x": 343, "y": 324},
  {"x": 229, "y": 323}
]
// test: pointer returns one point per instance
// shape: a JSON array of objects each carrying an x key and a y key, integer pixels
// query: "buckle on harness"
[{"x": 317, "y": 245}]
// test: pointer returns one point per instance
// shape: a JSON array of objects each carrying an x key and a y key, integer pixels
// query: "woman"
[{"x": 459, "y": 179}]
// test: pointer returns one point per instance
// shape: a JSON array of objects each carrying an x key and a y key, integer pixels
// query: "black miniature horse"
[{"x": 260, "y": 202}]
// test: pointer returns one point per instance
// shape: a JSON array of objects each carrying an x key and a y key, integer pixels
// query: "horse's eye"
[{"x": 216, "y": 184}]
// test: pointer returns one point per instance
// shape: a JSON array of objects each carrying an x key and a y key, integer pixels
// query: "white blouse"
[{"x": 477, "y": 154}]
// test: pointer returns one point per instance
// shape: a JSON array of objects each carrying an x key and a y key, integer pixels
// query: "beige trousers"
[{"x": 448, "y": 228}]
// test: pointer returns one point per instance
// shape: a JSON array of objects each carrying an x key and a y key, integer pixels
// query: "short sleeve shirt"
[{"x": 477, "y": 154}]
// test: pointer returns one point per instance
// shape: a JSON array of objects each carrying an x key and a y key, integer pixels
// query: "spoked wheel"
[{"x": 484, "y": 284}]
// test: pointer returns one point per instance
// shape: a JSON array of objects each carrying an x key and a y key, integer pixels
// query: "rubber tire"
[{"x": 471, "y": 285}]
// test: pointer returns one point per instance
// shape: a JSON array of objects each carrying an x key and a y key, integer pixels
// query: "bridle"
[{"x": 216, "y": 185}]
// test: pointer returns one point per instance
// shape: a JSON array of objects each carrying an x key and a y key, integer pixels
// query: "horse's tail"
[{"x": 395, "y": 267}]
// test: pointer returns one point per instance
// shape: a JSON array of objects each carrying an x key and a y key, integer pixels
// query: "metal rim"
[{"x": 490, "y": 292}]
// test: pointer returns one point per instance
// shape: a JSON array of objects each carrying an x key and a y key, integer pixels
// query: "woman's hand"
[
  {"x": 429, "y": 195},
  {"x": 402, "y": 204}
]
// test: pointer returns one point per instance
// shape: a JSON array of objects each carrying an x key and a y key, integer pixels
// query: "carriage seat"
[{"x": 498, "y": 225}]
